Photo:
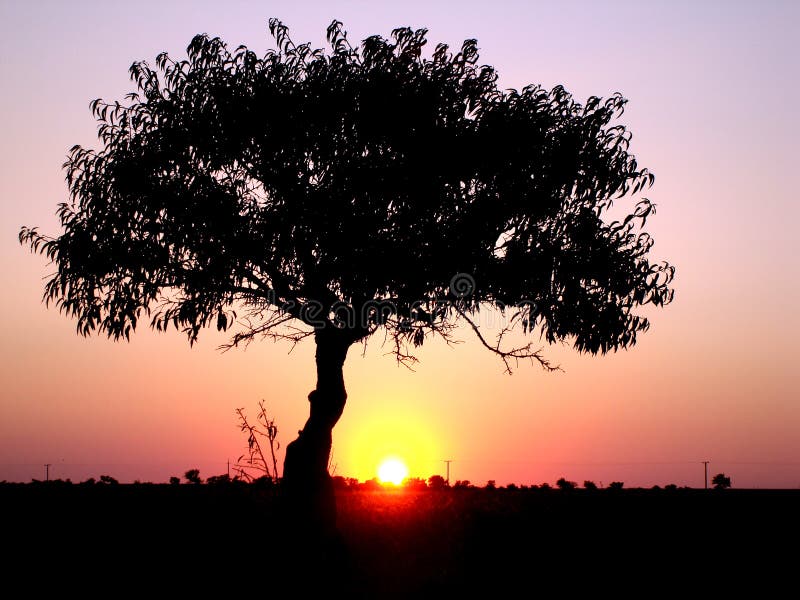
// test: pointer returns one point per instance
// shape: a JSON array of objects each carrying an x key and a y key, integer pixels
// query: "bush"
[
  {"x": 565, "y": 485},
  {"x": 437, "y": 482},
  {"x": 720, "y": 481},
  {"x": 589, "y": 485},
  {"x": 193, "y": 476}
]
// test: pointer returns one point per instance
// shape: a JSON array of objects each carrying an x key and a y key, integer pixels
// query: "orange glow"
[{"x": 392, "y": 470}]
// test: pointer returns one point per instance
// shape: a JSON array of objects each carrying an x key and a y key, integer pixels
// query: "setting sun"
[{"x": 392, "y": 470}]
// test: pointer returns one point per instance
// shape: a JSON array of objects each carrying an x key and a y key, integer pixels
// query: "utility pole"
[
  {"x": 448, "y": 471},
  {"x": 47, "y": 472},
  {"x": 229, "y": 468},
  {"x": 705, "y": 471}
]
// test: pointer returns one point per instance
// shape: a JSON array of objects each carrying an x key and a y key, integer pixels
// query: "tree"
[
  {"x": 720, "y": 481},
  {"x": 193, "y": 476},
  {"x": 437, "y": 482},
  {"x": 565, "y": 485},
  {"x": 334, "y": 194},
  {"x": 589, "y": 485}
]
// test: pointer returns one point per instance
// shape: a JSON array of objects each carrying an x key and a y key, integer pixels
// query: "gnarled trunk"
[{"x": 305, "y": 472}]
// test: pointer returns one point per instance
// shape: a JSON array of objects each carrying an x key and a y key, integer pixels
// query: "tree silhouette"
[
  {"x": 333, "y": 194},
  {"x": 565, "y": 485},
  {"x": 193, "y": 476},
  {"x": 721, "y": 481}
]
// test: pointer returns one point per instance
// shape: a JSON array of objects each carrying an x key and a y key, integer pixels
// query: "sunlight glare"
[{"x": 392, "y": 470}]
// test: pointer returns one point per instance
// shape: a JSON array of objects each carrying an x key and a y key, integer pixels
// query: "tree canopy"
[{"x": 358, "y": 187}]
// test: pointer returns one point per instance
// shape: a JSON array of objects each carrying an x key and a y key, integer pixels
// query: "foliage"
[
  {"x": 223, "y": 479},
  {"x": 285, "y": 193},
  {"x": 263, "y": 433},
  {"x": 415, "y": 484},
  {"x": 565, "y": 485},
  {"x": 174, "y": 480},
  {"x": 589, "y": 485},
  {"x": 616, "y": 485},
  {"x": 108, "y": 480},
  {"x": 721, "y": 481},
  {"x": 193, "y": 476},
  {"x": 437, "y": 482}
]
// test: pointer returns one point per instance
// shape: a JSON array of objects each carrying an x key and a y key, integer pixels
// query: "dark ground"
[{"x": 192, "y": 539}]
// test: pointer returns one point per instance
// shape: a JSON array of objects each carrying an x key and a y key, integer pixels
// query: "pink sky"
[{"x": 712, "y": 89}]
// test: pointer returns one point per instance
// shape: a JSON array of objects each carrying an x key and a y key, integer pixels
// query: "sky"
[{"x": 712, "y": 88}]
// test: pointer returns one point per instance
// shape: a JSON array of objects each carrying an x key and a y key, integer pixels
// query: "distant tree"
[
  {"x": 671, "y": 487},
  {"x": 565, "y": 485},
  {"x": 616, "y": 485},
  {"x": 437, "y": 482},
  {"x": 219, "y": 479},
  {"x": 193, "y": 476},
  {"x": 372, "y": 485},
  {"x": 174, "y": 480},
  {"x": 720, "y": 481},
  {"x": 512, "y": 486},
  {"x": 339, "y": 482},
  {"x": 491, "y": 484},
  {"x": 589, "y": 485},
  {"x": 415, "y": 484},
  {"x": 462, "y": 484},
  {"x": 108, "y": 480},
  {"x": 90, "y": 481},
  {"x": 306, "y": 194},
  {"x": 544, "y": 486}
]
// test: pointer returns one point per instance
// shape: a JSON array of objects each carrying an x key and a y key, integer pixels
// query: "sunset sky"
[{"x": 713, "y": 88}]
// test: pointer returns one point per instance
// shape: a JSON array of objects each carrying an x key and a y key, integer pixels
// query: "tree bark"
[{"x": 306, "y": 481}]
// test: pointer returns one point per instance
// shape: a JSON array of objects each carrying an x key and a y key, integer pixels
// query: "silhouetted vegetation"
[
  {"x": 395, "y": 542},
  {"x": 193, "y": 476},
  {"x": 565, "y": 485},
  {"x": 720, "y": 481},
  {"x": 334, "y": 194},
  {"x": 589, "y": 485}
]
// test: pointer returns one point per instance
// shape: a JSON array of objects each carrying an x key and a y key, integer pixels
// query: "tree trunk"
[{"x": 305, "y": 472}]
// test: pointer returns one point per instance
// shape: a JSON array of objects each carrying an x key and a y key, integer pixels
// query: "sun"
[{"x": 392, "y": 470}]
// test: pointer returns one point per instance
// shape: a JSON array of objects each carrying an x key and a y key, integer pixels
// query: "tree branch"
[{"x": 515, "y": 354}]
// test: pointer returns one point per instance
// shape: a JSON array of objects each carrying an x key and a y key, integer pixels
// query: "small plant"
[{"x": 260, "y": 435}]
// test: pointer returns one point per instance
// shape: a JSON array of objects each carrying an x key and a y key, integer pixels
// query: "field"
[{"x": 399, "y": 543}]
